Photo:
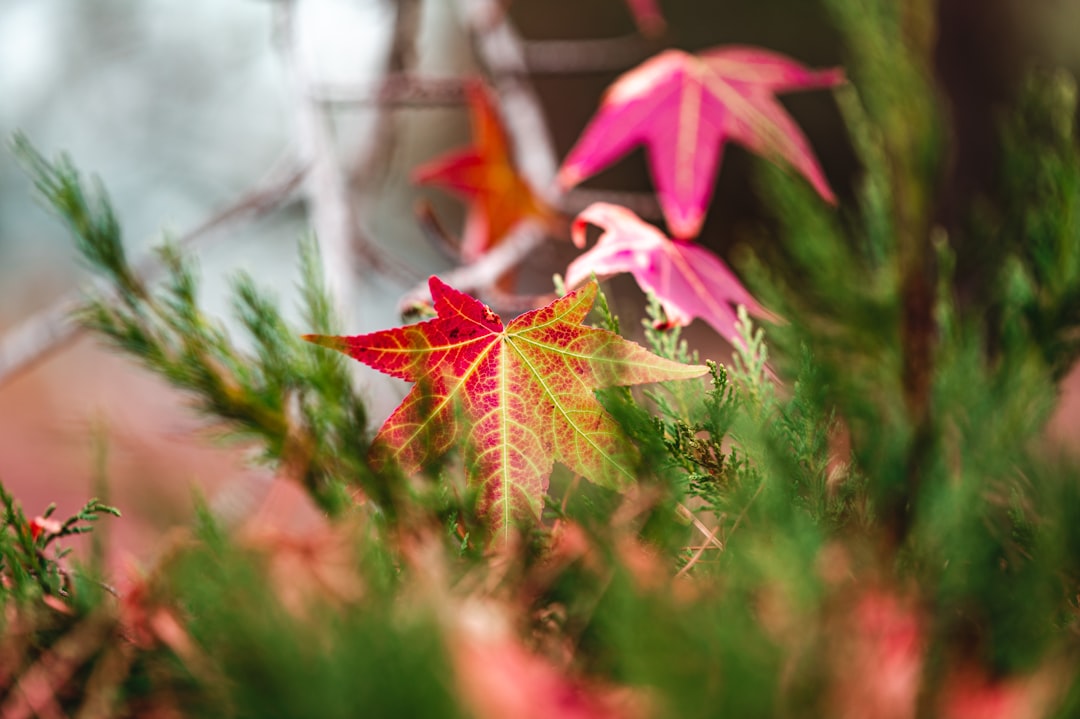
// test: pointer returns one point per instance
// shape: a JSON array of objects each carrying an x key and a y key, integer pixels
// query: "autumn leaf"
[
  {"x": 484, "y": 175},
  {"x": 688, "y": 280},
  {"x": 683, "y": 108},
  {"x": 520, "y": 396}
]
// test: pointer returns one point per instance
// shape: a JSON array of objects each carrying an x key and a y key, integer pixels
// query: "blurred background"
[{"x": 184, "y": 109}]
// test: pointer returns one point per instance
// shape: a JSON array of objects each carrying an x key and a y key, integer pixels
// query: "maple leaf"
[
  {"x": 688, "y": 280},
  {"x": 520, "y": 395},
  {"x": 683, "y": 108},
  {"x": 484, "y": 175}
]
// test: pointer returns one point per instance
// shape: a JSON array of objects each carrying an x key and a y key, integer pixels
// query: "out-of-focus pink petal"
[{"x": 688, "y": 280}]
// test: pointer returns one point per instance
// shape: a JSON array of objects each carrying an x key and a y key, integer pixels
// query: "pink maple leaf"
[
  {"x": 688, "y": 280},
  {"x": 683, "y": 108}
]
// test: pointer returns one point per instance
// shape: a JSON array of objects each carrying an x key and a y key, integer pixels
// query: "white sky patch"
[
  {"x": 28, "y": 62},
  {"x": 344, "y": 41}
]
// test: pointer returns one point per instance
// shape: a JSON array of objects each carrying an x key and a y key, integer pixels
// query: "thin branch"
[
  {"x": 643, "y": 204},
  {"x": 402, "y": 88},
  {"x": 513, "y": 302},
  {"x": 502, "y": 50},
  {"x": 745, "y": 509},
  {"x": 36, "y": 692},
  {"x": 561, "y": 57},
  {"x": 710, "y": 537},
  {"x": 373, "y": 162},
  {"x": 436, "y": 233},
  {"x": 52, "y": 328},
  {"x": 483, "y": 273},
  {"x": 396, "y": 90},
  {"x": 326, "y": 189},
  {"x": 440, "y": 237},
  {"x": 683, "y": 511}
]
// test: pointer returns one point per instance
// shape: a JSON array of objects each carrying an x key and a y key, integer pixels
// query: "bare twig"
[
  {"x": 683, "y": 511},
  {"x": 745, "y": 509},
  {"x": 400, "y": 89},
  {"x": 435, "y": 232},
  {"x": 373, "y": 162},
  {"x": 643, "y": 204},
  {"x": 710, "y": 537},
  {"x": 52, "y": 328},
  {"x": 506, "y": 57},
  {"x": 504, "y": 301},
  {"x": 326, "y": 189},
  {"x": 614, "y": 54},
  {"x": 503, "y": 52},
  {"x": 497, "y": 298},
  {"x": 35, "y": 693},
  {"x": 483, "y": 273},
  {"x": 374, "y": 159}
]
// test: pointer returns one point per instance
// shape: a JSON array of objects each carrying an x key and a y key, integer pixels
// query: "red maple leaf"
[
  {"x": 688, "y": 280},
  {"x": 683, "y": 108},
  {"x": 484, "y": 175},
  {"x": 520, "y": 396}
]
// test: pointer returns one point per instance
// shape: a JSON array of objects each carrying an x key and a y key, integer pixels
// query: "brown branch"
[
  {"x": 436, "y": 233},
  {"x": 401, "y": 89},
  {"x": 508, "y": 302},
  {"x": 35, "y": 693},
  {"x": 710, "y": 537},
  {"x": 503, "y": 52},
  {"x": 561, "y": 57},
  {"x": 643, "y": 204},
  {"x": 326, "y": 187},
  {"x": 506, "y": 56},
  {"x": 374, "y": 158},
  {"x": 482, "y": 274},
  {"x": 373, "y": 162}
]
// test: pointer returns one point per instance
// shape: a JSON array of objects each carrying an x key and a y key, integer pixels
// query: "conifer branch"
[
  {"x": 50, "y": 329},
  {"x": 300, "y": 406}
]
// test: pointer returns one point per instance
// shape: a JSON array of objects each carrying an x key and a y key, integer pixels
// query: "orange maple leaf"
[{"x": 484, "y": 175}]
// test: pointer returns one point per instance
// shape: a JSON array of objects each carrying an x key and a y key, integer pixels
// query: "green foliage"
[
  {"x": 300, "y": 406},
  {"x": 261, "y": 658},
  {"x": 26, "y": 567},
  {"x": 1033, "y": 224}
]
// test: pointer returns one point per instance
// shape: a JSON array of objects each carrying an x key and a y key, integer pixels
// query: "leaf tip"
[
  {"x": 684, "y": 222},
  {"x": 569, "y": 176},
  {"x": 832, "y": 76},
  {"x": 334, "y": 343},
  {"x": 436, "y": 286}
]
